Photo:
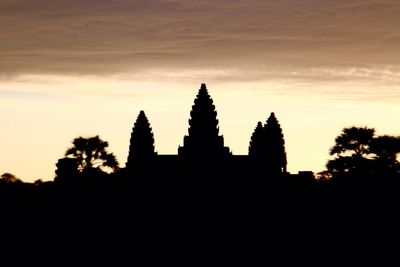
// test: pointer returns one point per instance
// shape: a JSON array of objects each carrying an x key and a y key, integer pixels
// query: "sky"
[{"x": 81, "y": 68}]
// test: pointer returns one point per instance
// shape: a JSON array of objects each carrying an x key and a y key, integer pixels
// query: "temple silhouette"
[
  {"x": 203, "y": 147},
  {"x": 204, "y": 203}
]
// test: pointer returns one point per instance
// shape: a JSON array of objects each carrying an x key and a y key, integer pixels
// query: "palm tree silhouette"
[
  {"x": 91, "y": 154},
  {"x": 354, "y": 140},
  {"x": 352, "y": 150}
]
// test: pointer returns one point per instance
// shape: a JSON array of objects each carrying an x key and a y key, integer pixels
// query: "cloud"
[{"x": 108, "y": 37}]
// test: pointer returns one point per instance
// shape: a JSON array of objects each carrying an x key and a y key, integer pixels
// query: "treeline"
[{"x": 358, "y": 152}]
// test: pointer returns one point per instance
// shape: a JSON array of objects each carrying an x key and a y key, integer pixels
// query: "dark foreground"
[{"x": 203, "y": 218}]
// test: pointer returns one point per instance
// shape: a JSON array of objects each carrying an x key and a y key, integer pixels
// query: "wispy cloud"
[
  {"x": 99, "y": 37},
  {"x": 320, "y": 47},
  {"x": 362, "y": 73}
]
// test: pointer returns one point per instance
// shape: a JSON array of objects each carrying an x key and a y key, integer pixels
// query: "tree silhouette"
[
  {"x": 354, "y": 140},
  {"x": 203, "y": 140},
  {"x": 352, "y": 150},
  {"x": 257, "y": 142},
  {"x": 9, "y": 178},
  {"x": 141, "y": 146},
  {"x": 67, "y": 168},
  {"x": 386, "y": 149},
  {"x": 91, "y": 154},
  {"x": 275, "y": 154}
]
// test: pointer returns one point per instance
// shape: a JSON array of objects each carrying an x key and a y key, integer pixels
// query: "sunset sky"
[{"x": 87, "y": 67}]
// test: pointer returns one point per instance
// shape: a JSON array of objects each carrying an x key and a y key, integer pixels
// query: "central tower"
[{"x": 203, "y": 141}]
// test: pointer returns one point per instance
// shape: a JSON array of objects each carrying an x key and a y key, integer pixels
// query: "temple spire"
[
  {"x": 203, "y": 140},
  {"x": 267, "y": 146},
  {"x": 257, "y": 142},
  {"x": 276, "y": 161},
  {"x": 141, "y": 146}
]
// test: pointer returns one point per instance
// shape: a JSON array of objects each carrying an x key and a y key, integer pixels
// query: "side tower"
[
  {"x": 203, "y": 141},
  {"x": 267, "y": 146},
  {"x": 257, "y": 142},
  {"x": 276, "y": 161},
  {"x": 141, "y": 148}
]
